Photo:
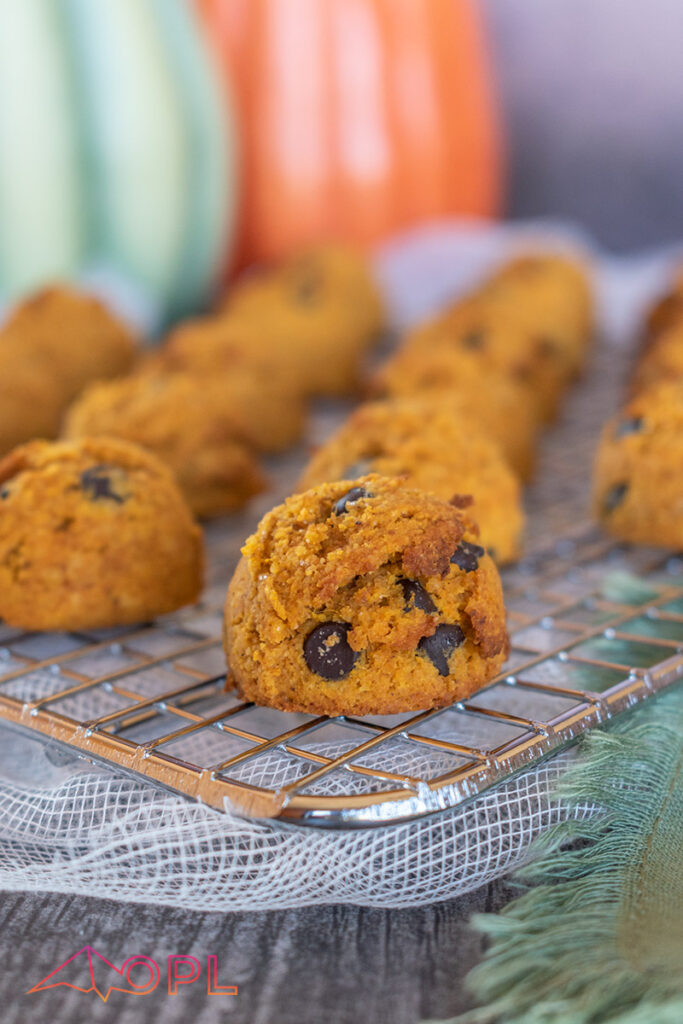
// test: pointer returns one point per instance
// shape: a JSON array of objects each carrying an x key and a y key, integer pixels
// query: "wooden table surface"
[{"x": 338, "y": 964}]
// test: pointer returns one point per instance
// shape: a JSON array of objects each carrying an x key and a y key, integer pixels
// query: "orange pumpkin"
[{"x": 357, "y": 117}]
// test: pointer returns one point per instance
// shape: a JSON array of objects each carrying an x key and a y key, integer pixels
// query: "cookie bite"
[
  {"x": 79, "y": 336},
  {"x": 495, "y": 404},
  {"x": 433, "y": 450},
  {"x": 364, "y": 597},
  {"x": 187, "y": 423},
  {"x": 93, "y": 533},
  {"x": 638, "y": 479}
]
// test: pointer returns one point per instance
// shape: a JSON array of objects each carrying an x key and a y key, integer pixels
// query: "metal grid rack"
[{"x": 586, "y": 645}]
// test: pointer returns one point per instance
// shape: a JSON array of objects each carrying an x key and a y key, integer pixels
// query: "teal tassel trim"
[{"x": 599, "y": 937}]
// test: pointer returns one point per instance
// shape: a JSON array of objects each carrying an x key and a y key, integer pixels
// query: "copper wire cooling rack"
[{"x": 587, "y": 645}]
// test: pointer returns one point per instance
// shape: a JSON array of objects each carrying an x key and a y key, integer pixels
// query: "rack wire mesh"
[
  {"x": 596, "y": 628},
  {"x": 152, "y": 700}
]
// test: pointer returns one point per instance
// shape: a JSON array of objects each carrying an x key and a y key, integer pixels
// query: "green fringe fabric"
[{"x": 599, "y": 936}]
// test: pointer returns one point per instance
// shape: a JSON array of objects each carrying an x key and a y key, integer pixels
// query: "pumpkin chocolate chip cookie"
[
  {"x": 661, "y": 360},
  {"x": 494, "y": 404},
  {"x": 638, "y": 482},
  {"x": 666, "y": 312},
  {"x": 30, "y": 406},
  {"x": 434, "y": 450},
  {"x": 364, "y": 597},
  {"x": 93, "y": 533},
  {"x": 186, "y": 422},
  {"x": 80, "y": 337},
  {"x": 502, "y": 344},
  {"x": 259, "y": 385},
  {"x": 321, "y": 309},
  {"x": 551, "y": 293}
]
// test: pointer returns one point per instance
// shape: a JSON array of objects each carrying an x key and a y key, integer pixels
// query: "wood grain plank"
[{"x": 341, "y": 964}]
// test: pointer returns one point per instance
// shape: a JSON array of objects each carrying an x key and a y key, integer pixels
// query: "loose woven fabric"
[
  {"x": 598, "y": 936},
  {"x": 70, "y": 827},
  {"x": 76, "y": 828}
]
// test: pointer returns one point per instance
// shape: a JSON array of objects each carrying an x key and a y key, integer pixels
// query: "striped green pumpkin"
[{"x": 116, "y": 148}]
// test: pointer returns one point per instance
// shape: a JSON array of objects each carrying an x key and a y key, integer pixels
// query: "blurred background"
[
  {"x": 161, "y": 145},
  {"x": 590, "y": 94}
]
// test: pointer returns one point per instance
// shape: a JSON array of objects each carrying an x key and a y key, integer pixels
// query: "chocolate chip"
[
  {"x": 360, "y": 468},
  {"x": 97, "y": 485},
  {"x": 466, "y": 556},
  {"x": 547, "y": 347},
  {"x": 350, "y": 498},
  {"x": 629, "y": 426},
  {"x": 474, "y": 339},
  {"x": 614, "y": 497},
  {"x": 328, "y": 653},
  {"x": 5, "y": 493},
  {"x": 416, "y": 596},
  {"x": 440, "y": 645},
  {"x": 308, "y": 287}
]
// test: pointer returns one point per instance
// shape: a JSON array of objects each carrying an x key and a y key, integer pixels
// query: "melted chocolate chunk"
[
  {"x": 547, "y": 347},
  {"x": 416, "y": 596},
  {"x": 96, "y": 483},
  {"x": 466, "y": 556},
  {"x": 350, "y": 498},
  {"x": 630, "y": 426},
  {"x": 5, "y": 493},
  {"x": 441, "y": 645},
  {"x": 474, "y": 339},
  {"x": 308, "y": 287},
  {"x": 614, "y": 497},
  {"x": 328, "y": 653}
]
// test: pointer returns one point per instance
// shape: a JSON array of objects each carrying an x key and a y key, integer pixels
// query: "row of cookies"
[
  {"x": 638, "y": 473},
  {"x": 94, "y": 529},
  {"x": 459, "y": 405},
  {"x": 373, "y": 589},
  {"x": 93, "y": 533},
  {"x": 226, "y": 388}
]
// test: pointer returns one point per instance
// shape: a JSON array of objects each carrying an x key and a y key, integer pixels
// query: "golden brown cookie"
[
  {"x": 30, "y": 405},
  {"x": 364, "y": 597},
  {"x": 666, "y": 312},
  {"x": 92, "y": 534},
  {"x": 551, "y": 293},
  {"x": 638, "y": 480},
  {"x": 330, "y": 275},
  {"x": 321, "y": 310},
  {"x": 498, "y": 406},
  {"x": 262, "y": 392},
  {"x": 82, "y": 340},
  {"x": 225, "y": 344},
  {"x": 434, "y": 450},
  {"x": 661, "y": 360},
  {"x": 502, "y": 344},
  {"x": 186, "y": 422}
]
